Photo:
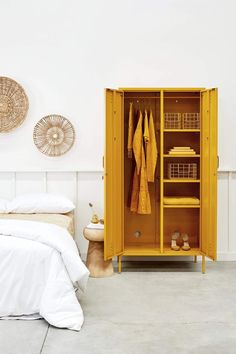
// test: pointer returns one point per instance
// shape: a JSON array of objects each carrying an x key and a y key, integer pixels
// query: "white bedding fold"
[
  {"x": 53, "y": 236},
  {"x": 38, "y": 263}
]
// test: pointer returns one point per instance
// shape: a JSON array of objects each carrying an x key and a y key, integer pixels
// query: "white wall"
[{"x": 64, "y": 52}]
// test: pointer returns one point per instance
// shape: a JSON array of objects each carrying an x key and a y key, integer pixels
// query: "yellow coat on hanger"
[
  {"x": 146, "y": 129},
  {"x": 140, "y": 198},
  {"x": 151, "y": 150},
  {"x": 130, "y": 131},
  {"x": 135, "y": 192},
  {"x": 144, "y": 204},
  {"x": 138, "y": 142}
]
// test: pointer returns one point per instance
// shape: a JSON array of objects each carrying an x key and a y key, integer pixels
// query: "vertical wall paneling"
[
  {"x": 76, "y": 210},
  {"x": 232, "y": 212},
  {"x": 87, "y": 186},
  {"x": 62, "y": 183},
  {"x": 89, "y": 189},
  {"x": 45, "y": 179},
  {"x": 7, "y": 185},
  {"x": 29, "y": 182},
  {"x": 223, "y": 212},
  {"x": 14, "y": 184}
]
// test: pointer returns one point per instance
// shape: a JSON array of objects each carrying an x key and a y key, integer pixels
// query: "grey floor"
[{"x": 149, "y": 308}]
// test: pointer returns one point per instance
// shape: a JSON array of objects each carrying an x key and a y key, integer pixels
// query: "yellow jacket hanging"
[
  {"x": 151, "y": 150},
  {"x": 138, "y": 141},
  {"x": 140, "y": 199},
  {"x": 144, "y": 205},
  {"x": 130, "y": 131}
]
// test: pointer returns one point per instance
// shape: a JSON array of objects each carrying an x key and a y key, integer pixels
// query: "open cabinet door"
[
  {"x": 114, "y": 175},
  {"x": 209, "y": 165}
]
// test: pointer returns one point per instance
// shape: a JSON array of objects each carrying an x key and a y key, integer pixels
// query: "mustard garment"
[
  {"x": 138, "y": 142},
  {"x": 130, "y": 131},
  {"x": 140, "y": 198},
  {"x": 151, "y": 150},
  {"x": 146, "y": 129},
  {"x": 135, "y": 192},
  {"x": 144, "y": 205}
]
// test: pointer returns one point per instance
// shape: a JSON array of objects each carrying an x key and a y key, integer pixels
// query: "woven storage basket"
[
  {"x": 172, "y": 120},
  {"x": 182, "y": 170},
  {"x": 191, "y": 121}
]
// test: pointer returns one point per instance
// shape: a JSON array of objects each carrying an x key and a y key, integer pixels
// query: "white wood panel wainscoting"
[
  {"x": 87, "y": 186},
  {"x": 81, "y": 187}
]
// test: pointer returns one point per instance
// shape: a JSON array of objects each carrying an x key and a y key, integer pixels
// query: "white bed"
[{"x": 39, "y": 267}]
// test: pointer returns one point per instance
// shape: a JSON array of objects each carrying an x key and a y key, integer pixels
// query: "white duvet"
[{"x": 39, "y": 263}]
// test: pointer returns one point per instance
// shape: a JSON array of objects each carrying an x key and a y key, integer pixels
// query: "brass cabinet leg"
[
  {"x": 195, "y": 259},
  {"x": 203, "y": 264},
  {"x": 119, "y": 264}
]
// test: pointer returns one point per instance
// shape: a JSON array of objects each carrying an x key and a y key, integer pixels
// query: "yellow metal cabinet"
[{"x": 130, "y": 234}]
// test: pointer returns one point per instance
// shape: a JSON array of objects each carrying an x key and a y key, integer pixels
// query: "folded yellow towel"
[{"x": 181, "y": 200}]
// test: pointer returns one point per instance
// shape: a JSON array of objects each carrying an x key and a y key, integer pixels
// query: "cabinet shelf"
[
  {"x": 142, "y": 250},
  {"x": 154, "y": 250},
  {"x": 192, "y": 252},
  {"x": 182, "y": 130},
  {"x": 186, "y": 180},
  {"x": 186, "y": 155},
  {"x": 181, "y": 206}
]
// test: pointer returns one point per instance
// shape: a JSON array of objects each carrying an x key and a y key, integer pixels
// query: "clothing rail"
[
  {"x": 155, "y": 97},
  {"x": 131, "y": 97}
]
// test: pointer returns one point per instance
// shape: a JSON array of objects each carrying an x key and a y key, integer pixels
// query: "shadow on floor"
[{"x": 159, "y": 266}]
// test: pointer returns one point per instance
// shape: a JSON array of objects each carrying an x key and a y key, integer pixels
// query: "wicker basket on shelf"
[
  {"x": 182, "y": 170},
  {"x": 191, "y": 121},
  {"x": 172, "y": 120}
]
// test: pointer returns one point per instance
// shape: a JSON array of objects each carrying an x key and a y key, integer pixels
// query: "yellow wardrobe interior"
[{"x": 183, "y": 119}]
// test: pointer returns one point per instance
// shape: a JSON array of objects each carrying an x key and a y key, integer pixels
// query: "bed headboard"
[{"x": 64, "y": 220}]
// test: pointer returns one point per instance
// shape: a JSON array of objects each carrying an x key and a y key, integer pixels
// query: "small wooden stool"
[{"x": 95, "y": 257}]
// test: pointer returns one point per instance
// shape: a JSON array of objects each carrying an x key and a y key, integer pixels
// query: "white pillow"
[
  {"x": 40, "y": 203},
  {"x": 3, "y": 206}
]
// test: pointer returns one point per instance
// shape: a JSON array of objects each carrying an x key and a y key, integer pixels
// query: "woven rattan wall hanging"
[
  {"x": 54, "y": 135},
  {"x": 13, "y": 104}
]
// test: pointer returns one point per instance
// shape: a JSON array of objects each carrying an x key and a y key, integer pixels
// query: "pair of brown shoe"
[{"x": 175, "y": 237}]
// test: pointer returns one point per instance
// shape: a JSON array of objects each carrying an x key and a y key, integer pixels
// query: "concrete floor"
[{"x": 149, "y": 308}]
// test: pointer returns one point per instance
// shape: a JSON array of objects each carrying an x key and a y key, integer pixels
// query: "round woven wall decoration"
[
  {"x": 13, "y": 104},
  {"x": 54, "y": 135}
]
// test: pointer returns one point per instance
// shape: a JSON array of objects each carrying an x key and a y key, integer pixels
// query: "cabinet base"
[{"x": 119, "y": 260}]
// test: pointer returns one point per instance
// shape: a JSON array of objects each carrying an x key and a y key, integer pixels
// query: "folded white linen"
[
  {"x": 95, "y": 226},
  {"x": 38, "y": 264}
]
